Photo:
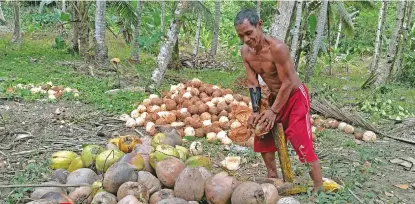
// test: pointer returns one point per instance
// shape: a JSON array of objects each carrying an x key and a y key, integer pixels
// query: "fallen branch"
[{"x": 43, "y": 185}]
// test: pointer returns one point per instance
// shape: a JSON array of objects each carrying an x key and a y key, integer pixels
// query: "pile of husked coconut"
[
  {"x": 48, "y": 88},
  {"x": 320, "y": 123},
  {"x": 194, "y": 108}
]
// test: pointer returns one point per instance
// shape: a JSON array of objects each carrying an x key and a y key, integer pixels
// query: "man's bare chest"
[{"x": 262, "y": 63}]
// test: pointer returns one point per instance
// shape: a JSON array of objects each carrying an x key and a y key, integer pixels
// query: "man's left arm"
[{"x": 284, "y": 66}]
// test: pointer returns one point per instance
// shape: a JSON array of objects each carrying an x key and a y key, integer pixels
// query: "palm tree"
[
  {"x": 101, "y": 49},
  {"x": 379, "y": 34},
  {"x": 197, "y": 35},
  {"x": 2, "y": 19},
  {"x": 406, "y": 26},
  {"x": 215, "y": 31},
  {"x": 385, "y": 68},
  {"x": 296, "y": 32},
  {"x": 135, "y": 53},
  {"x": 163, "y": 8},
  {"x": 282, "y": 19},
  {"x": 166, "y": 47},
  {"x": 80, "y": 27},
  {"x": 321, "y": 22},
  {"x": 17, "y": 33}
]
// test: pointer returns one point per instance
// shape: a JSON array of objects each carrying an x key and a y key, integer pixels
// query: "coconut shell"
[
  {"x": 195, "y": 123},
  {"x": 190, "y": 185},
  {"x": 223, "y": 113},
  {"x": 170, "y": 104},
  {"x": 246, "y": 99},
  {"x": 203, "y": 108},
  {"x": 248, "y": 192},
  {"x": 198, "y": 103},
  {"x": 225, "y": 125},
  {"x": 227, "y": 91},
  {"x": 194, "y": 99},
  {"x": 216, "y": 129},
  {"x": 196, "y": 117},
  {"x": 199, "y": 132},
  {"x": 203, "y": 95},
  {"x": 195, "y": 92},
  {"x": 180, "y": 132},
  {"x": 216, "y": 124},
  {"x": 186, "y": 104},
  {"x": 184, "y": 115},
  {"x": 238, "y": 97},
  {"x": 161, "y": 121},
  {"x": 207, "y": 129},
  {"x": 206, "y": 99},
  {"x": 213, "y": 110},
  {"x": 188, "y": 121},
  {"x": 168, "y": 170},
  {"x": 205, "y": 116},
  {"x": 358, "y": 135},
  {"x": 157, "y": 101},
  {"x": 222, "y": 106},
  {"x": 209, "y": 90},
  {"x": 170, "y": 118},
  {"x": 214, "y": 118},
  {"x": 154, "y": 116},
  {"x": 193, "y": 109}
]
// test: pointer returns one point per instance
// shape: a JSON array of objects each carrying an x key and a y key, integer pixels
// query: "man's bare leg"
[
  {"x": 315, "y": 174},
  {"x": 270, "y": 163}
]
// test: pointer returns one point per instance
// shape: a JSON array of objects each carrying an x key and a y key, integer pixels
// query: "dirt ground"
[{"x": 30, "y": 132}]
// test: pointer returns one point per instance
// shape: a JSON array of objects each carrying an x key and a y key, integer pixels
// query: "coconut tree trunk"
[
  {"x": 166, "y": 48},
  {"x": 296, "y": 32},
  {"x": 63, "y": 5},
  {"x": 303, "y": 32},
  {"x": 282, "y": 19},
  {"x": 2, "y": 19},
  {"x": 215, "y": 31},
  {"x": 163, "y": 9},
  {"x": 74, "y": 29},
  {"x": 379, "y": 34},
  {"x": 83, "y": 29},
  {"x": 405, "y": 30},
  {"x": 339, "y": 31},
  {"x": 17, "y": 33},
  {"x": 383, "y": 72},
  {"x": 135, "y": 54},
  {"x": 258, "y": 8},
  {"x": 321, "y": 22},
  {"x": 197, "y": 36},
  {"x": 101, "y": 49}
]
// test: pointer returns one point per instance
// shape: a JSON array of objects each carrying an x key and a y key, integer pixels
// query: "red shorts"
[{"x": 295, "y": 119}]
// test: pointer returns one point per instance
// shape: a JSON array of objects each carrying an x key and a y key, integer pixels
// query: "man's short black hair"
[{"x": 249, "y": 14}]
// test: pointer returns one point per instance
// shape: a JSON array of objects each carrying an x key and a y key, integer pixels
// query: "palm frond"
[
  {"x": 126, "y": 10},
  {"x": 198, "y": 7},
  {"x": 346, "y": 20},
  {"x": 364, "y": 4}
]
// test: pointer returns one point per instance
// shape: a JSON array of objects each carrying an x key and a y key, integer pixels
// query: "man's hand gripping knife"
[{"x": 255, "y": 94}]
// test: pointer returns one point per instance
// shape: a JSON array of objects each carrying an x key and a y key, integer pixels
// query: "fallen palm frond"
[{"x": 328, "y": 109}]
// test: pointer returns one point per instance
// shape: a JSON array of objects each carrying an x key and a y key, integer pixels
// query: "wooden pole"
[{"x": 281, "y": 144}]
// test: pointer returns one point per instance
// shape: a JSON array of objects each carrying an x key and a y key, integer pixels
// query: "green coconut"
[
  {"x": 107, "y": 158},
  {"x": 90, "y": 153},
  {"x": 199, "y": 161}
]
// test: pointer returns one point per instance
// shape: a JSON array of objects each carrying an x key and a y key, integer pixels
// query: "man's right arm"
[{"x": 253, "y": 86}]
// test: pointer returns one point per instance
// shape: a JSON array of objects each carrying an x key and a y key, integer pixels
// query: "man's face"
[{"x": 248, "y": 33}]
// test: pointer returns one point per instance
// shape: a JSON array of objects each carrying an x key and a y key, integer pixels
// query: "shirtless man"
[{"x": 289, "y": 100}]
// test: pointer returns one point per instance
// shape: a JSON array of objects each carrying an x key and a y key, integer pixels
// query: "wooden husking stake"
[{"x": 281, "y": 144}]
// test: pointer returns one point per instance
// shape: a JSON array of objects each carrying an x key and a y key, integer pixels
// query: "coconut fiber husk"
[{"x": 329, "y": 109}]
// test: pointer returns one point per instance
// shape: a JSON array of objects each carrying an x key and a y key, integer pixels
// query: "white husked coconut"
[
  {"x": 196, "y": 148},
  {"x": 140, "y": 121},
  {"x": 177, "y": 124},
  {"x": 215, "y": 100},
  {"x": 189, "y": 89},
  {"x": 51, "y": 92},
  {"x": 221, "y": 99},
  {"x": 163, "y": 107},
  {"x": 189, "y": 131},
  {"x": 180, "y": 86},
  {"x": 163, "y": 113},
  {"x": 143, "y": 115},
  {"x": 187, "y": 95},
  {"x": 207, "y": 122},
  {"x": 369, "y": 136},
  {"x": 175, "y": 93},
  {"x": 341, "y": 126},
  {"x": 226, "y": 141},
  {"x": 223, "y": 119},
  {"x": 221, "y": 135},
  {"x": 155, "y": 108},
  {"x": 211, "y": 136},
  {"x": 288, "y": 200},
  {"x": 348, "y": 129},
  {"x": 236, "y": 124},
  {"x": 149, "y": 126},
  {"x": 228, "y": 98},
  {"x": 35, "y": 90},
  {"x": 135, "y": 114},
  {"x": 130, "y": 122},
  {"x": 153, "y": 96},
  {"x": 52, "y": 97},
  {"x": 231, "y": 163},
  {"x": 173, "y": 87},
  {"x": 183, "y": 110},
  {"x": 147, "y": 101},
  {"x": 124, "y": 117},
  {"x": 210, "y": 104},
  {"x": 141, "y": 108},
  {"x": 67, "y": 89}
]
